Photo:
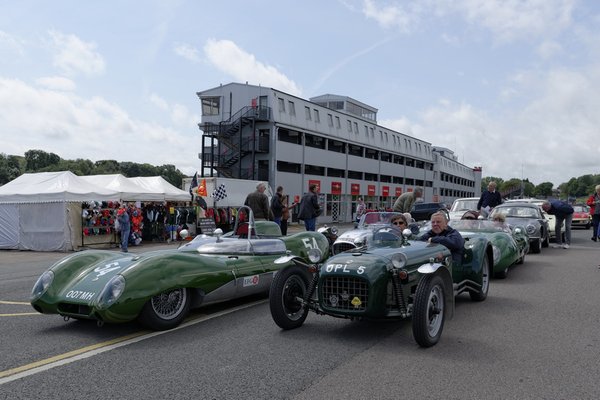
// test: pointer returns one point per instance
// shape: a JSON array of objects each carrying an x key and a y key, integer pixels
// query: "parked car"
[
  {"x": 358, "y": 237},
  {"x": 529, "y": 216},
  {"x": 390, "y": 278},
  {"x": 551, "y": 219},
  {"x": 509, "y": 245},
  {"x": 461, "y": 206},
  {"x": 158, "y": 288},
  {"x": 423, "y": 211},
  {"x": 581, "y": 216}
]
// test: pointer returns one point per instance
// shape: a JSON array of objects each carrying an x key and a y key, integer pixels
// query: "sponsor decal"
[
  {"x": 105, "y": 269},
  {"x": 356, "y": 302},
  {"x": 251, "y": 280}
]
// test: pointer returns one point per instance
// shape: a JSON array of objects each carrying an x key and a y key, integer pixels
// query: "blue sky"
[{"x": 512, "y": 86}]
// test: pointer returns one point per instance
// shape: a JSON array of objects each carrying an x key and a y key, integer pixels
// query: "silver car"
[{"x": 529, "y": 216}]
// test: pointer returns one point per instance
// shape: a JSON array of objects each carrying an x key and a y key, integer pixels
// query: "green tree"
[
  {"x": 102, "y": 167},
  {"x": 36, "y": 160},
  {"x": 544, "y": 189},
  {"x": 10, "y": 168}
]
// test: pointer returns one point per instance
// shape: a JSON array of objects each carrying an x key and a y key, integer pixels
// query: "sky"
[{"x": 512, "y": 86}]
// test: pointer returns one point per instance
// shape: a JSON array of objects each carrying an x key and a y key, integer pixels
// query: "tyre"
[
  {"x": 429, "y": 310},
  {"x": 288, "y": 286},
  {"x": 546, "y": 242},
  {"x": 482, "y": 293},
  {"x": 166, "y": 310},
  {"x": 535, "y": 247}
]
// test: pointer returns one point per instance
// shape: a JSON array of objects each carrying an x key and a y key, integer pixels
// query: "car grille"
[
  {"x": 74, "y": 309},
  {"x": 345, "y": 293},
  {"x": 341, "y": 247}
]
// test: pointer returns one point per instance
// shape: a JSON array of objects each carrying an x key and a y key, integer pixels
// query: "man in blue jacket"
[
  {"x": 445, "y": 235},
  {"x": 489, "y": 199},
  {"x": 563, "y": 212}
]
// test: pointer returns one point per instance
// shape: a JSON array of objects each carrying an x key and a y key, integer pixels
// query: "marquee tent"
[
  {"x": 128, "y": 189},
  {"x": 157, "y": 184},
  {"x": 42, "y": 211}
]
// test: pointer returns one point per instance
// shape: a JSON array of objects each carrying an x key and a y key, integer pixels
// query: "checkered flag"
[{"x": 219, "y": 193}]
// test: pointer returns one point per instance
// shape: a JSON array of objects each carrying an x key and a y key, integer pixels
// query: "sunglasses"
[{"x": 399, "y": 223}]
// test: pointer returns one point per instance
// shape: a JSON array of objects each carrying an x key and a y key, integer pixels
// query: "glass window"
[
  {"x": 292, "y": 108},
  {"x": 210, "y": 105},
  {"x": 330, "y": 120},
  {"x": 307, "y": 112},
  {"x": 349, "y": 126},
  {"x": 317, "y": 119},
  {"x": 338, "y": 125},
  {"x": 315, "y": 141},
  {"x": 281, "y": 105}
]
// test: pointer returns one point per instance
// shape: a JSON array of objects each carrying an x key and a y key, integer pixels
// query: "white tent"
[
  {"x": 42, "y": 211},
  {"x": 128, "y": 189},
  {"x": 157, "y": 184}
]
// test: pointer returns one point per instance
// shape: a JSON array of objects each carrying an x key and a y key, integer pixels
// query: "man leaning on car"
[{"x": 445, "y": 235}]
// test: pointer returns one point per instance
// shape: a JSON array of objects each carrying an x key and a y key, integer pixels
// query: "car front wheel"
[
  {"x": 288, "y": 288},
  {"x": 482, "y": 293},
  {"x": 166, "y": 310},
  {"x": 429, "y": 311}
]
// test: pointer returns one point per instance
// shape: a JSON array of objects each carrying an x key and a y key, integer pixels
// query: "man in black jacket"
[
  {"x": 489, "y": 199},
  {"x": 309, "y": 208},
  {"x": 445, "y": 235}
]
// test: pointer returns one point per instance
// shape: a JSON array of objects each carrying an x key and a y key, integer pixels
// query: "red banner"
[
  {"x": 398, "y": 191},
  {"x": 355, "y": 189},
  {"x": 315, "y": 182},
  {"x": 385, "y": 191},
  {"x": 336, "y": 187},
  {"x": 371, "y": 190}
]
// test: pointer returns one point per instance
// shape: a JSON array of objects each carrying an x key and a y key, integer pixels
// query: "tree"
[
  {"x": 36, "y": 160},
  {"x": 544, "y": 189}
]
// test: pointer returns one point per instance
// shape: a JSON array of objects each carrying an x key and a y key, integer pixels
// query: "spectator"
[
  {"x": 405, "y": 202},
  {"x": 259, "y": 203},
  {"x": 309, "y": 208},
  {"x": 563, "y": 212},
  {"x": 361, "y": 208},
  {"x": 285, "y": 214},
  {"x": 277, "y": 205},
  {"x": 445, "y": 235},
  {"x": 594, "y": 203},
  {"x": 489, "y": 199},
  {"x": 124, "y": 226},
  {"x": 399, "y": 222}
]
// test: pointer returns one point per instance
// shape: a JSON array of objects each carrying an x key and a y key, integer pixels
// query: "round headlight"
[
  {"x": 42, "y": 284},
  {"x": 111, "y": 292},
  {"x": 314, "y": 255},
  {"x": 334, "y": 230},
  {"x": 530, "y": 229},
  {"x": 399, "y": 260}
]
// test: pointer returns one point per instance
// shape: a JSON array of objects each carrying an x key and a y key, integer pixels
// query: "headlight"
[
  {"x": 314, "y": 255},
  {"x": 399, "y": 260},
  {"x": 334, "y": 230},
  {"x": 111, "y": 292},
  {"x": 42, "y": 284},
  {"x": 530, "y": 229}
]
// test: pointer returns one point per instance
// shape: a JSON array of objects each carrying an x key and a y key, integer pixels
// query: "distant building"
[{"x": 260, "y": 133}]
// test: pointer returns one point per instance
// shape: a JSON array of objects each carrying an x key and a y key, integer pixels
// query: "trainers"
[
  {"x": 594, "y": 239},
  {"x": 556, "y": 246},
  {"x": 565, "y": 246}
]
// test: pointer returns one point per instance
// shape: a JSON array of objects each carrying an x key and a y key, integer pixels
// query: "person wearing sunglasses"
[{"x": 399, "y": 221}]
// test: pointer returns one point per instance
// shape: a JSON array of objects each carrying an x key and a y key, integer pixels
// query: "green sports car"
[{"x": 159, "y": 288}]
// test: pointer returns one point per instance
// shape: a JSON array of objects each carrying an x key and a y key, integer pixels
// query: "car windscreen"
[{"x": 464, "y": 205}]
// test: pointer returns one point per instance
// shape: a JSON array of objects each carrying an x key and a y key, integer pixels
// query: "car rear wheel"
[
  {"x": 429, "y": 311},
  {"x": 287, "y": 289},
  {"x": 166, "y": 310},
  {"x": 546, "y": 242},
  {"x": 482, "y": 293}
]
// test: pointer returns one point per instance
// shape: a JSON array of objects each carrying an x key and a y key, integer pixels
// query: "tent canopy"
[
  {"x": 53, "y": 186},
  {"x": 128, "y": 189},
  {"x": 157, "y": 184}
]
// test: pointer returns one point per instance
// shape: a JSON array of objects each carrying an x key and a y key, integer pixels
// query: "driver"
[{"x": 445, "y": 235}]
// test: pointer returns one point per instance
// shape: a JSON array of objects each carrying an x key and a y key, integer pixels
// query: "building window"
[
  {"x": 289, "y": 136},
  {"x": 335, "y": 145},
  {"x": 317, "y": 119},
  {"x": 355, "y": 174},
  {"x": 292, "y": 108},
  {"x": 349, "y": 126},
  {"x": 314, "y": 141},
  {"x": 314, "y": 170},
  {"x": 356, "y": 128},
  {"x": 330, "y": 120},
  {"x": 281, "y": 105},
  {"x": 338, "y": 125},
  {"x": 371, "y": 153},
  {"x": 371, "y": 177},
  {"x": 210, "y": 105},
  {"x": 355, "y": 150},
  {"x": 335, "y": 172},
  {"x": 283, "y": 166},
  {"x": 307, "y": 112},
  {"x": 387, "y": 157},
  {"x": 385, "y": 178}
]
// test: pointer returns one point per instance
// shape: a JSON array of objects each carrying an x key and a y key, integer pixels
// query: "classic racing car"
[
  {"x": 158, "y": 288},
  {"x": 358, "y": 237},
  {"x": 391, "y": 277},
  {"x": 509, "y": 245},
  {"x": 529, "y": 216}
]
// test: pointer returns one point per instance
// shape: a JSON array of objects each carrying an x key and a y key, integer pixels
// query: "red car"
[{"x": 581, "y": 216}]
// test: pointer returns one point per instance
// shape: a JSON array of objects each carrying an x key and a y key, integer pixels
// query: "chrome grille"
[
  {"x": 345, "y": 293},
  {"x": 341, "y": 247}
]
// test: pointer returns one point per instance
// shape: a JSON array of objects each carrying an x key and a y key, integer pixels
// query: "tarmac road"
[{"x": 535, "y": 337}]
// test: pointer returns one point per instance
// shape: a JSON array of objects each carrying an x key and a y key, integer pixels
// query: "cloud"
[
  {"x": 188, "y": 52},
  {"x": 57, "y": 83},
  {"x": 92, "y": 128},
  {"x": 74, "y": 56},
  {"x": 178, "y": 113},
  {"x": 389, "y": 16},
  {"x": 11, "y": 43},
  {"x": 243, "y": 66}
]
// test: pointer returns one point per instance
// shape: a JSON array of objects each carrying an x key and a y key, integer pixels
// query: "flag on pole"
[
  {"x": 220, "y": 193},
  {"x": 202, "y": 188},
  {"x": 193, "y": 185}
]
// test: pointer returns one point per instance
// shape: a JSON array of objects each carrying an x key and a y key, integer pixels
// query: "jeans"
[
  {"x": 559, "y": 220},
  {"x": 277, "y": 220},
  {"x": 124, "y": 239},
  {"x": 310, "y": 224},
  {"x": 595, "y": 223}
]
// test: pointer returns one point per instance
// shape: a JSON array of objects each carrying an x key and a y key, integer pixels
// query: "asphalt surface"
[{"x": 534, "y": 337}]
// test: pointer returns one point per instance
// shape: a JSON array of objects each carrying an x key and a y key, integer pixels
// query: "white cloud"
[
  {"x": 11, "y": 43},
  {"x": 243, "y": 66},
  {"x": 188, "y": 52},
  {"x": 74, "y": 127},
  {"x": 549, "y": 49},
  {"x": 178, "y": 113},
  {"x": 74, "y": 56},
  {"x": 57, "y": 83},
  {"x": 392, "y": 15}
]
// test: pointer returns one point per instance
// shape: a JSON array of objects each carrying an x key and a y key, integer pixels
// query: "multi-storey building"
[{"x": 261, "y": 133}]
